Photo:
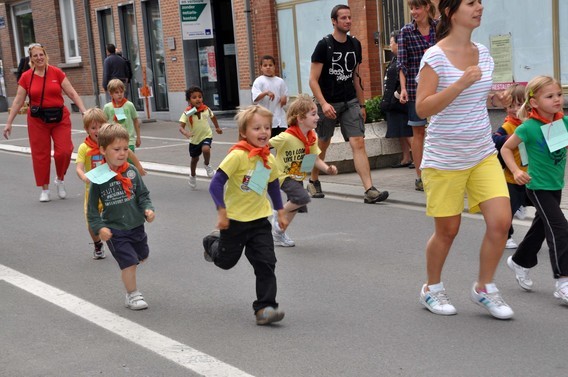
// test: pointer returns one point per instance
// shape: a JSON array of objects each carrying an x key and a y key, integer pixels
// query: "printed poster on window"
[
  {"x": 196, "y": 20},
  {"x": 502, "y": 53},
  {"x": 211, "y": 64}
]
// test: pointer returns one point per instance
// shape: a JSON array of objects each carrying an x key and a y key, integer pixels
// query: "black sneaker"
[
  {"x": 418, "y": 185},
  {"x": 208, "y": 241},
  {"x": 99, "y": 252},
  {"x": 314, "y": 188},
  {"x": 373, "y": 195}
]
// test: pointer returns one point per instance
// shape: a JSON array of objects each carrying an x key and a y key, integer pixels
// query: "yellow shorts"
[{"x": 445, "y": 189}]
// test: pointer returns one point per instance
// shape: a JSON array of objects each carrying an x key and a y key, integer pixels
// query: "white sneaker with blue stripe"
[
  {"x": 492, "y": 301},
  {"x": 436, "y": 300}
]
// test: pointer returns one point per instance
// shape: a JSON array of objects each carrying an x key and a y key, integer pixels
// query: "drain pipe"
[
  {"x": 250, "y": 42},
  {"x": 93, "y": 60}
]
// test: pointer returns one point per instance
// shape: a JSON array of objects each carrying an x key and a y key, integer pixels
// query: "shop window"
[
  {"x": 23, "y": 25},
  {"x": 70, "y": 40}
]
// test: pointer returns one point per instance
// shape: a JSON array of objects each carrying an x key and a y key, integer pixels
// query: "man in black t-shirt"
[
  {"x": 335, "y": 63},
  {"x": 115, "y": 67}
]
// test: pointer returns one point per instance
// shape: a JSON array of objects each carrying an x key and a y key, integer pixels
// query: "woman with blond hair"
[{"x": 48, "y": 119}]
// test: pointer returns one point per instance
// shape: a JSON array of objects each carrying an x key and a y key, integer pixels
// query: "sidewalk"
[{"x": 164, "y": 149}]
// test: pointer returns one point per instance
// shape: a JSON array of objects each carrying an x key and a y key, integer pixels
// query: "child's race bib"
[{"x": 259, "y": 178}]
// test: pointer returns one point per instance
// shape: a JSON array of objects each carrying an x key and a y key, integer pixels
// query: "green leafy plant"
[{"x": 374, "y": 112}]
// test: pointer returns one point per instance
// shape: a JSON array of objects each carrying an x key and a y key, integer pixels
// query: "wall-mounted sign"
[{"x": 196, "y": 19}]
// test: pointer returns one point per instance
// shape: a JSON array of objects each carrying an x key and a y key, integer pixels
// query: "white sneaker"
[
  {"x": 210, "y": 171},
  {"x": 511, "y": 244},
  {"x": 279, "y": 237},
  {"x": 192, "y": 182},
  {"x": 492, "y": 301},
  {"x": 521, "y": 213},
  {"x": 521, "y": 274},
  {"x": 60, "y": 189},
  {"x": 436, "y": 300},
  {"x": 562, "y": 293},
  {"x": 44, "y": 196},
  {"x": 135, "y": 301}
]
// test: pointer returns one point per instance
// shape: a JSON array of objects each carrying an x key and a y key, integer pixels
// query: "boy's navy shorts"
[
  {"x": 296, "y": 193},
  {"x": 128, "y": 247},
  {"x": 196, "y": 149}
]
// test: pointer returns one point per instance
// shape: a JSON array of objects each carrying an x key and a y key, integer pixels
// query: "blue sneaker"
[{"x": 268, "y": 315}]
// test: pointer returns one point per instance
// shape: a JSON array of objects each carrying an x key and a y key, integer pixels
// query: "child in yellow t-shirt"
[
  {"x": 514, "y": 97},
  {"x": 89, "y": 157},
  {"x": 297, "y": 152},
  {"x": 249, "y": 172},
  {"x": 196, "y": 117}
]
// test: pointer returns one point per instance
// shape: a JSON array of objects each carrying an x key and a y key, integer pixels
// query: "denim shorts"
[
  {"x": 349, "y": 118},
  {"x": 196, "y": 149},
  {"x": 129, "y": 247},
  {"x": 413, "y": 119}
]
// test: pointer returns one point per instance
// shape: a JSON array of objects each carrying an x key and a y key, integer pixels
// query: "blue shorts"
[
  {"x": 196, "y": 149},
  {"x": 129, "y": 247},
  {"x": 413, "y": 119}
]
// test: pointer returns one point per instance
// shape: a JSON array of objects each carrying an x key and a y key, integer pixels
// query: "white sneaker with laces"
[
  {"x": 492, "y": 301},
  {"x": 210, "y": 171},
  {"x": 561, "y": 293},
  {"x": 44, "y": 196},
  {"x": 60, "y": 189},
  {"x": 135, "y": 301},
  {"x": 436, "y": 300},
  {"x": 279, "y": 237},
  {"x": 192, "y": 182},
  {"x": 521, "y": 274},
  {"x": 511, "y": 244},
  {"x": 521, "y": 213}
]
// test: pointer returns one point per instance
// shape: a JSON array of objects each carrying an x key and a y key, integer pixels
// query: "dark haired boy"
[
  {"x": 271, "y": 92},
  {"x": 196, "y": 117}
]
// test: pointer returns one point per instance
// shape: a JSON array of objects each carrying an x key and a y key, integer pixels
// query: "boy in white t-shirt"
[{"x": 271, "y": 92}]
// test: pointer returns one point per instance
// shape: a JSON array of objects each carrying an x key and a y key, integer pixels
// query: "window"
[
  {"x": 70, "y": 41},
  {"x": 23, "y": 28}
]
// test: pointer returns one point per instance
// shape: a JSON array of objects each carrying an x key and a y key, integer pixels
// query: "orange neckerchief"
[
  {"x": 126, "y": 182},
  {"x": 93, "y": 145},
  {"x": 513, "y": 121},
  {"x": 308, "y": 141},
  {"x": 535, "y": 115},
  {"x": 263, "y": 153},
  {"x": 200, "y": 109},
  {"x": 117, "y": 105}
]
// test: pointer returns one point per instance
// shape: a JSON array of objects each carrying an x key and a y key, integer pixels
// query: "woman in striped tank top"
[{"x": 459, "y": 156}]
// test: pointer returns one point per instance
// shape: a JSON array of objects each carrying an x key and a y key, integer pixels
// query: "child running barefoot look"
[
  {"x": 196, "y": 117},
  {"x": 89, "y": 157},
  {"x": 297, "y": 154},
  {"x": 248, "y": 172},
  {"x": 126, "y": 205},
  {"x": 544, "y": 180}
]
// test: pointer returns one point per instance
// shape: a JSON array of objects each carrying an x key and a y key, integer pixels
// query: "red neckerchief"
[
  {"x": 308, "y": 141},
  {"x": 263, "y": 152},
  {"x": 118, "y": 105},
  {"x": 513, "y": 121},
  {"x": 126, "y": 182},
  {"x": 93, "y": 145},
  {"x": 200, "y": 109},
  {"x": 535, "y": 115}
]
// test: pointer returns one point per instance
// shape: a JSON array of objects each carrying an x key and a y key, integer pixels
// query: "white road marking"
[{"x": 168, "y": 348}]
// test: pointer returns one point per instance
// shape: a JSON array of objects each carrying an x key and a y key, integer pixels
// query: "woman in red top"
[{"x": 45, "y": 84}]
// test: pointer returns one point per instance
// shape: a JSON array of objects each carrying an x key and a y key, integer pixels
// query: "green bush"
[{"x": 374, "y": 112}]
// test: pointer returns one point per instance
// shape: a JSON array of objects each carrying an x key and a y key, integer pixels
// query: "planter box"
[{"x": 382, "y": 152}]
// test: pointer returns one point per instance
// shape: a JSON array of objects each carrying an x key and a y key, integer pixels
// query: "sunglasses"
[{"x": 34, "y": 45}]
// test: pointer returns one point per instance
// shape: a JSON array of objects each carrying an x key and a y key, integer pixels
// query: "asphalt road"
[{"x": 349, "y": 288}]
